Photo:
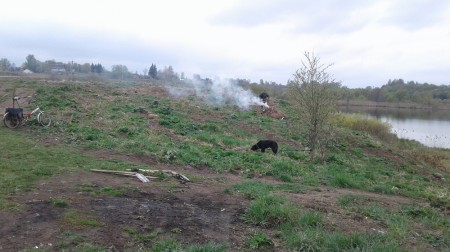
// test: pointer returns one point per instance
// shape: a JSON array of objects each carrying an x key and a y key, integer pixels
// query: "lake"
[{"x": 429, "y": 127}]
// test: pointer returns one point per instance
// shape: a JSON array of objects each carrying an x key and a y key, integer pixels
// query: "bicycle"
[{"x": 15, "y": 117}]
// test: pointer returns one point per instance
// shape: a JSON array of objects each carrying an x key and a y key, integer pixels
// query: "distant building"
[
  {"x": 27, "y": 71},
  {"x": 58, "y": 68}
]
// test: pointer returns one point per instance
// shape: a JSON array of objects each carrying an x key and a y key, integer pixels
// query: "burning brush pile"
[
  {"x": 270, "y": 110},
  {"x": 228, "y": 93}
]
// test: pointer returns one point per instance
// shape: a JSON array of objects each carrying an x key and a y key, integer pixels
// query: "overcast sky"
[{"x": 369, "y": 42}]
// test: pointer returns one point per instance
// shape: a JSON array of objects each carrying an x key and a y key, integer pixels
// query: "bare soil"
[{"x": 193, "y": 212}]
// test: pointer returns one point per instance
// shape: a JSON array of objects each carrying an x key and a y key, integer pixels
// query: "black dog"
[{"x": 264, "y": 144}]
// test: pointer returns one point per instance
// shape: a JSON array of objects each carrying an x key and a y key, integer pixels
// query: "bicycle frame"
[
  {"x": 28, "y": 115},
  {"x": 15, "y": 121}
]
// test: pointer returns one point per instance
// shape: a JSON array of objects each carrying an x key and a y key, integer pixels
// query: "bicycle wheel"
[
  {"x": 44, "y": 120},
  {"x": 11, "y": 121}
]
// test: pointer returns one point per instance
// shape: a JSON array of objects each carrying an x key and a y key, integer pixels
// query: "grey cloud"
[
  {"x": 63, "y": 44},
  {"x": 330, "y": 16},
  {"x": 55, "y": 42},
  {"x": 416, "y": 14},
  {"x": 310, "y": 16}
]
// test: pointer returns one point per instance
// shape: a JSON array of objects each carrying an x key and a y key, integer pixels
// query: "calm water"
[{"x": 431, "y": 128}]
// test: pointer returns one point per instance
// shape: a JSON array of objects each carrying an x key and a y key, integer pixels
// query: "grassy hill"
[{"x": 372, "y": 193}]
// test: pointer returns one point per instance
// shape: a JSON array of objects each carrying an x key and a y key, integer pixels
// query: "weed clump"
[{"x": 361, "y": 123}]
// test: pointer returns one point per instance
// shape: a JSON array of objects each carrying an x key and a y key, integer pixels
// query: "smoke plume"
[{"x": 221, "y": 93}]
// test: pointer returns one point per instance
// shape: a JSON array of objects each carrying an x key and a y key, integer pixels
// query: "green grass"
[
  {"x": 271, "y": 211},
  {"x": 254, "y": 189},
  {"x": 79, "y": 220},
  {"x": 25, "y": 161},
  {"x": 404, "y": 221},
  {"x": 213, "y": 143},
  {"x": 310, "y": 231},
  {"x": 59, "y": 202},
  {"x": 112, "y": 191},
  {"x": 260, "y": 241},
  {"x": 363, "y": 156},
  {"x": 171, "y": 245},
  {"x": 94, "y": 190}
]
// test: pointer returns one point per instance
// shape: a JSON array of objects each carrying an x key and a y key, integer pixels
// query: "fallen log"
[{"x": 140, "y": 176}]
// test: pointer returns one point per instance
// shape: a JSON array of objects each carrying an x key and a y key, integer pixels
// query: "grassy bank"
[{"x": 144, "y": 121}]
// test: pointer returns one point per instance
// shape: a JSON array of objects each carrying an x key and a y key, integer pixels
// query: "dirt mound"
[{"x": 272, "y": 111}]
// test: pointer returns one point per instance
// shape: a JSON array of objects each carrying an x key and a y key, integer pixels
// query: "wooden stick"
[
  {"x": 140, "y": 176},
  {"x": 115, "y": 172},
  {"x": 174, "y": 174},
  {"x": 149, "y": 171}
]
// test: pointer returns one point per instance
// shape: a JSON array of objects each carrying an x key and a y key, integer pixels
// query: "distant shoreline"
[{"x": 405, "y": 105}]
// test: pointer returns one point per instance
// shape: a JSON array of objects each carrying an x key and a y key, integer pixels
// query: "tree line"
[
  {"x": 117, "y": 71},
  {"x": 399, "y": 91},
  {"x": 394, "y": 91}
]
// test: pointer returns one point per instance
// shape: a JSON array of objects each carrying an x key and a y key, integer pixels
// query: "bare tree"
[
  {"x": 313, "y": 94},
  {"x": 5, "y": 65}
]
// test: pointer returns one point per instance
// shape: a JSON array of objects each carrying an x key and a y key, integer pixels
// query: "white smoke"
[
  {"x": 225, "y": 92},
  {"x": 179, "y": 92}
]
